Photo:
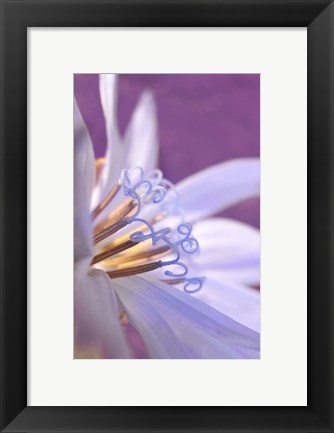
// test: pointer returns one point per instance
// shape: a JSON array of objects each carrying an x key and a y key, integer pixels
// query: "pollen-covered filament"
[{"x": 128, "y": 243}]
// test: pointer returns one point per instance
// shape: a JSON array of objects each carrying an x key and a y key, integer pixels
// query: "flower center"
[{"x": 135, "y": 230}]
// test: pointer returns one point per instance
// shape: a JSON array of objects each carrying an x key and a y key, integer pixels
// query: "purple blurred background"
[{"x": 202, "y": 120}]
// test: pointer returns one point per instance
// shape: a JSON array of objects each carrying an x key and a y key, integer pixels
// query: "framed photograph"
[
  {"x": 166, "y": 216},
  {"x": 150, "y": 231}
]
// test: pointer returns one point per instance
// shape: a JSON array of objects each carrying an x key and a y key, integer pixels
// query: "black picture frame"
[{"x": 16, "y": 17}]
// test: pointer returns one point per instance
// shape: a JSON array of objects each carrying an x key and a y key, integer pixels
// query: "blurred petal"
[
  {"x": 218, "y": 187},
  {"x": 141, "y": 140},
  {"x": 84, "y": 178},
  {"x": 159, "y": 339},
  {"x": 238, "y": 302},
  {"x": 114, "y": 154},
  {"x": 97, "y": 326},
  {"x": 108, "y": 95},
  {"x": 83, "y": 152},
  {"x": 228, "y": 246},
  {"x": 203, "y": 331}
]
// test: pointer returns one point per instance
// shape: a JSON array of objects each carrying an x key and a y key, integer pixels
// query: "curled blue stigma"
[
  {"x": 145, "y": 190},
  {"x": 140, "y": 236},
  {"x": 188, "y": 244},
  {"x": 153, "y": 189},
  {"x": 162, "y": 235},
  {"x": 196, "y": 281}
]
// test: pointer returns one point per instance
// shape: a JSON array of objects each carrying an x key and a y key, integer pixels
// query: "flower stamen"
[
  {"x": 122, "y": 211},
  {"x": 135, "y": 251},
  {"x": 109, "y": 230},
  {"x": 134, "y": 270},
  {"x": 128, "y": 259},
  {"x": 113, "y": 251},
  {"x": 104, "y": 203}
]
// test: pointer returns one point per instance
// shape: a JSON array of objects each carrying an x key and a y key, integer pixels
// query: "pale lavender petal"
[
  {"x": 84, "y": 178},
  {"x": 108, "y": 95},
  {"x": 141, "y": 140},
  {"x": 159, "y": 339},
  {"x": 228, "y": 246},
  {"x": 114, "y": 152},
  {"x": 236, "y": 301},
  {"x": 203, "y": 331},
  {"x": 97, "y": 329},
  {"x": 218, "y": 187}
]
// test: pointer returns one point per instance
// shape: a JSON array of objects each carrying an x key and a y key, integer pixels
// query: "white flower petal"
[
  {"x": 108, "y": 95},
  {"x": 218, "y": 187},
  {"x": 202, "y": 330},
  {"x": 84, "y": 178},
  {"x": 83, "y": 151},
  {"x": 141, "y": 140},
  {"x": 96, "y": 320},
  {"x": 114, "y": 152},
  {"x": 228, "y": 246},
  {"x": 236, "y": 301},
  {"x": 248, "y": 275},
  {"x": 159, "y": 339}
]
